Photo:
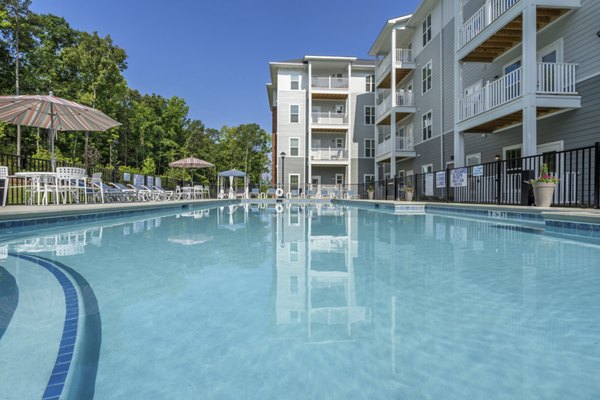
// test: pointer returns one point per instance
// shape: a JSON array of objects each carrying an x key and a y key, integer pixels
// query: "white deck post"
[
  {"x": 308, "y": 128},
  {"x": 393, "y": 104},
  {"x": 529, "y": 79},
  {"x": 459, "y": 137}
]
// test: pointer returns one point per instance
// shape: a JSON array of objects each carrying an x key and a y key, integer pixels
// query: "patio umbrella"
[
  {"x": 53, "y": 113},
  {"x": 191, "y": 163}
]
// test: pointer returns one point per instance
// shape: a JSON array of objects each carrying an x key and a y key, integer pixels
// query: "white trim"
[
  {"x": 424, "y": 167},
  {"x": 431, "y": 125},
  {"x": 336, "y": 179},
  {"x": 290, "y": 180},
  {"x": 560, "y": 143},
  {"x": 290, "y": 146},
  {"x": 513, "y": 147},
  {"x": 585, "y": 78},
  {"x": 430, "y": 64},
  {"x": 557, "y": 45}
]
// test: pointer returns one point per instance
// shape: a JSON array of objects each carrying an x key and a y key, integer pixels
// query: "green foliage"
[{"x": 88, "y": 68}]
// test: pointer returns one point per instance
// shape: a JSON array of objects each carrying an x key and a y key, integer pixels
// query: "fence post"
[
  {"x": 416, "y": 188},
  {"x": 597, "y": 176},
  {"x": 396, "y": 194},
  {"x": 447, "y": 185},
  {"x": 498, "y": 181}
]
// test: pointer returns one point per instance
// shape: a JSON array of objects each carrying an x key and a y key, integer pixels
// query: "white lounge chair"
[{"x": 4, "y": 179}]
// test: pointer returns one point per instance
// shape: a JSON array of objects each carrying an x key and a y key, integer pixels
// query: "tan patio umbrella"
[
  {"x": 192, "y": 164},
  {"x": 54, "y": 113}
]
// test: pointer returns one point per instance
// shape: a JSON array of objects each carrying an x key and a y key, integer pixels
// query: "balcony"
[
  {"x": 329, "y": 154},
  {"x": 383, "y": 149},
  {"x": 405, "y": 143},
  {"x": 403, "y": 64},
  {"x": 329, "y": 87},
  {"x": 555, "y": 90},
  {"x": 497, "y": 27},
  {"x": 331, "y": 118},
  {"x": 383, "y": 102}
]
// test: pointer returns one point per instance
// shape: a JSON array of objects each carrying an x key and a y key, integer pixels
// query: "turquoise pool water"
[{"x": 313, "y": 302}]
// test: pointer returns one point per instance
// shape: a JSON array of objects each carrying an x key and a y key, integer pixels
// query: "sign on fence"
[
  {"x": 126, "y": 176},
  {"x": 440, "y": 179},
  {"x": 157, "y": 181},
  {"x": 150, "y": 181},
  {"x": 458, "y": 177},
  {"x": 429, "y": 184},
  {"x": 478, "y": 170}
]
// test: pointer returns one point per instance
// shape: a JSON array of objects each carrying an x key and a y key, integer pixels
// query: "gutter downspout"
[{"x": 442, "y": 90}]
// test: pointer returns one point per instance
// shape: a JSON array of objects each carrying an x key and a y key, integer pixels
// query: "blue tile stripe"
[{"x": 64, "y": 357}]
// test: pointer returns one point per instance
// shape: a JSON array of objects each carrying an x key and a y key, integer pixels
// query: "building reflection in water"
[{"x": 316, "y": 288}]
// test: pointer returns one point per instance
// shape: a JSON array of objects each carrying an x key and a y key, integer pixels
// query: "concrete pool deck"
[{"x": 26, "y": 212}]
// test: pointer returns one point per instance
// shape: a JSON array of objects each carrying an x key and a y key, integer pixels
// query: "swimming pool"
[{"x": 299, "y": 302}]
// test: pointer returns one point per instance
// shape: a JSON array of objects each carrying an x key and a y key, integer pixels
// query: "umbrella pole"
[{"x": 53, "y": 136}]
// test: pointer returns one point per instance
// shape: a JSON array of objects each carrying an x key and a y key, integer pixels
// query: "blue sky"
[{"x": 215, "y": 54}]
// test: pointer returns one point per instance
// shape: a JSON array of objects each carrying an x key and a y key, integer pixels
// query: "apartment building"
[
  {"x": 469, "y": 81},
  {"x": 323, "y": 117}
]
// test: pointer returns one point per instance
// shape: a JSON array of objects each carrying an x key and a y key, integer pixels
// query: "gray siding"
[
  {"x": 448, "y": 71},
  {"x": 430, "y": 101}
]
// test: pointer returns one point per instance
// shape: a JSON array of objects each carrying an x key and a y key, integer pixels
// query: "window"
[
  {"x": 370, "y": 80},
  {"x": 294, "y": 147},
  {"x": 427, "y": 126},
  {"x": 426, "y": 76},
  {"x": 339, "y": 180},
  {"x": 293, "y": 284},
  {"x": 294, "y": 258},
  {"x": 427, "y": 30},
  {"x": 512, "y": 155},
  {"x": 427, "y": 168},
  {"x": 339, "y": 108},
  {"x": 339, "y": 143},
  {"x": 369, "y": 115},
  {"x": 369, "y": 178},
  {"x": 294, "y": 181},
  {"x": 369, "y": 148},
  {"x": 295, "y": 84},
  {"x": 473, "y": 159},
  {"x": 294, "y": 113}
]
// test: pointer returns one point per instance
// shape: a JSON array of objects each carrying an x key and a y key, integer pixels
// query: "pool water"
[{"x": 304, "y": 302}]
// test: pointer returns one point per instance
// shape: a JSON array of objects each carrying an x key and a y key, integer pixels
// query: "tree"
[{"x": 14, "y": 26}]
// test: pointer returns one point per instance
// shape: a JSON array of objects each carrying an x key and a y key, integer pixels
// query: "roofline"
[
  {"x": 389, "y": 24},
  {"x": 329, "y": 58}
]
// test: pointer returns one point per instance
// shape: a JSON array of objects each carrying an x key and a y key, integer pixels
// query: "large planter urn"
[
  {"x": 543, "y": 193},
  {"x": 370, "y": 193},
  {"x": 408, "y": 195}
]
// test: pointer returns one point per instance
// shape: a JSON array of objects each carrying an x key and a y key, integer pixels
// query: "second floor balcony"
[
  {"x": 402, "y": 60},
  {"x": 329, "y": 118},
  {"x": 329, "y": 154},
  {"x": 552, "y": 79}
]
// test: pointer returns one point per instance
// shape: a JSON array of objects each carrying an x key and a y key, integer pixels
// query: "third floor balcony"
[
  {"x": 329, "y": 118},
  {"x": 497, "y": 27},
  {"x": 403, "y": 62}
]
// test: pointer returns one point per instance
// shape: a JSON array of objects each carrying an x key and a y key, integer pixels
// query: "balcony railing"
[
  {"x": 384, "y": 147},
  {"x": 491, "y": 11},
  {"x": 383, "y": 65},
  {"x": 405, "y": 143},
  {"x": 405, "y": 100},
  {"x": 329, "y": 154},
  {"x": 404, "y": 56},
  {"x": 383, "y": 133},
  {"x": 552, "y": 78},
  {"x": 384, "y": 105},
  {"x": 329, "y": 83},
  {"x": 329, "y": 118}
]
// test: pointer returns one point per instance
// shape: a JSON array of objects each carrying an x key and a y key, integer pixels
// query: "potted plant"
[
  {"x": 408, "y": 193},
  {"x": 370, "y": 192},
  {"x": 543, "y": 187}
]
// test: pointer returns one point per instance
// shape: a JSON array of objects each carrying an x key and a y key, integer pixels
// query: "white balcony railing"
[
  {"x": 329, "y": 154},
  {"x": 552, "y": 78},
  {"x": 405, "y": 99},
  {"x": 329, "y": 83},
  {"x": 491, "y": 11},
  {"x": 556, "y": 78},
  {"x": 405, "y": 143},
  {"x": 383, "y": 133},
  {"x": 383, "y": 65},
  {"x": 384, "y": 147},
  {"x": 329, "y": 118},
  {"x": 404, "y": 56},
  {"x": 383, "y": 106}
]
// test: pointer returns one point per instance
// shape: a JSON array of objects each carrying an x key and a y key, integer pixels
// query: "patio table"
[{"x": 40, "y": 185}]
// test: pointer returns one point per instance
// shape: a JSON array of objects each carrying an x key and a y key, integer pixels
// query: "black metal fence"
[
  {"x": 24, "y": 163},
  {"x": 505, "y": 181}
]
